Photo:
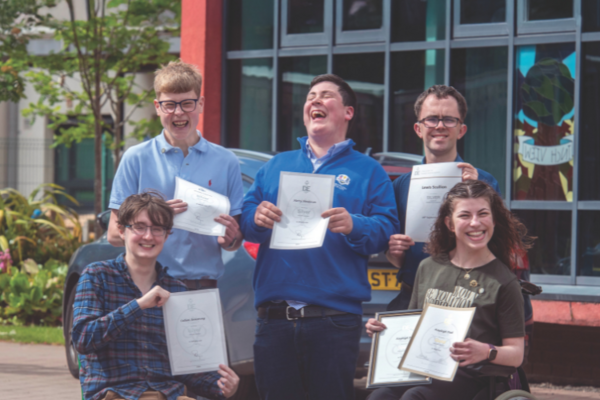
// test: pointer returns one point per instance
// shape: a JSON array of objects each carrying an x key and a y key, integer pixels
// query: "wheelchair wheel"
[{"x": 516, "y": 395}]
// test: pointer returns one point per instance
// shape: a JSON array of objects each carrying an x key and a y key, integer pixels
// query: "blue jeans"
[{"x": 309, "y": 358}]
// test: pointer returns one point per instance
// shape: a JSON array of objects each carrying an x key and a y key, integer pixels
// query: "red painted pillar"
[{"x": 201, "y": 44}]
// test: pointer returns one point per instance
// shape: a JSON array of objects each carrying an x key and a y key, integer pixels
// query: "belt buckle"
[{"x": 287, "y": 313}]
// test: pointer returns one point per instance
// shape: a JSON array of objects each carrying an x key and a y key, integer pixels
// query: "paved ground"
[{"x": 40, "y": 372}]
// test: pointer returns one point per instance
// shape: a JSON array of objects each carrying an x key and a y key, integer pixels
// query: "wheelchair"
[{"x": 501, "y": 373}]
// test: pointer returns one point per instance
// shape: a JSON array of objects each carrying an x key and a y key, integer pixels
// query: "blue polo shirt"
[
  {"x": 415, "y": 254},
  {"x": 154, "y": 164}
]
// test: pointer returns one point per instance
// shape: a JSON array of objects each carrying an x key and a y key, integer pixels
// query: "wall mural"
[{"x": 543, "y": 135}]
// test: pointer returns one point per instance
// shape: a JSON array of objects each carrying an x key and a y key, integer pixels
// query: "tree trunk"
[{"x": 545, "y": 183}]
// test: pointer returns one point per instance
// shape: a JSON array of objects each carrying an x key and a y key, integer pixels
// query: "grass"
[{"x": 32, "y": 334}]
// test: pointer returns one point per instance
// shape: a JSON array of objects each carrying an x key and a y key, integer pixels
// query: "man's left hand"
[
  {"x": 229, "y": 381},
  {"x": 468, "y": 171},
  {"x": 469, "y": 352},
  {"x": 340, "y": 220},
  {"x": 233, "y": 235}
]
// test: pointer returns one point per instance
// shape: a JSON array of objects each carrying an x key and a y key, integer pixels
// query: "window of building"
[
  {"x": 251, "y": 24},
  {"x": 589, "y": 139},
  {"x": 249, "y": 102},
  {"x": 416, "y": 20},
  {"x": 589, "y": 244},
  {"x": 360, "y": 21},
  {"x": 537, "y": 16},
  {"x": 481, "y": 17},
  {"x": 365, "y": 75},
  {"x": 544, "y": 120},
  {"x": 296, "y": 74},
  {"x": 306, "y": 22},
  {"x": 414, "y": 71},
  {"x": 551, "y": 252},
  {"x": 480, "y": 74},
  {"x": 590, "y": 13}
]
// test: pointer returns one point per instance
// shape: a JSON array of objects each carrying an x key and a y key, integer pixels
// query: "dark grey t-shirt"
[{"x": 492, "y": 288}]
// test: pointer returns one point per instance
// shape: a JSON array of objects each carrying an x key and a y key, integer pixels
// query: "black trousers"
[{"x": 464, "y": 387}]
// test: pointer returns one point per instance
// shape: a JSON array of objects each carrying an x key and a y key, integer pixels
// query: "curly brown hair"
[
  {"x": 510, "y": 235},
  {"x": 153, "y": 202}
]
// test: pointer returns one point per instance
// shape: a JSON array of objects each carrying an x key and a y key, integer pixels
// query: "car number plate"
[{"x": 383, "y": 279}]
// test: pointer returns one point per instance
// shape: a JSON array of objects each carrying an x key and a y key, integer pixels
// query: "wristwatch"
[{"x": 493, "y": 352}]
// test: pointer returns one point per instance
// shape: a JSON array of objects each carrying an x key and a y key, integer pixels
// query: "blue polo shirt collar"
[{"x": 201, "y": 146}]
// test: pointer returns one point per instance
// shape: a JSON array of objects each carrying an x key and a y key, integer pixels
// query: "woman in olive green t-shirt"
[{"x": 471, "y": 244}]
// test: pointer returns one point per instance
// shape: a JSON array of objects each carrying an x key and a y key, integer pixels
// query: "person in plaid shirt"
[{"x": 118, "y": 325}]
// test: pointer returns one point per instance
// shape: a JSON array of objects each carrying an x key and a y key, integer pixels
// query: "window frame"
[
  {"x": 481, "y": 30},
  {"x": 307, "y": 39}
]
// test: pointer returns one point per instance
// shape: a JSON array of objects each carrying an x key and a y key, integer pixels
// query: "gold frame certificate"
[
  {"x": 388, "y": 347},
  {"x": 428, "y": 352}
]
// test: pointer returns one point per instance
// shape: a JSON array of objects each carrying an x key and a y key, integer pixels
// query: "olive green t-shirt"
[{"x": 492, "y": 288}]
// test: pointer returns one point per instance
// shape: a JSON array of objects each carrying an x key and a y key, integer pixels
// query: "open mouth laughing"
[{"x": 317, "y": 115}]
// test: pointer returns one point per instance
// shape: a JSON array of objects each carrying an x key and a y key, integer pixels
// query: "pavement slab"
[{"x": 34, "y": 371}]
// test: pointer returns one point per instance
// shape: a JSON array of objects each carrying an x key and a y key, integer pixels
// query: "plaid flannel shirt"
[{"x": 122, "y": 347}]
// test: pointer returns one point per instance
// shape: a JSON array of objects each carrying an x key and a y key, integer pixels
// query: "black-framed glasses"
[
  {"x": 432, "y": 122},
  {"x": 141, "y": 229},
  {"x": 169, "y": 106}
]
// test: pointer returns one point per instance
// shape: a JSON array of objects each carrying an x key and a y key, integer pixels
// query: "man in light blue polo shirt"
[{"x": 181, "y": 151}]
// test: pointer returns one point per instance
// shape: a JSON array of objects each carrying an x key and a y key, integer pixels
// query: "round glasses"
[
  {"x": 432, "y": 122},
  {"x": 141, "y": 229},
  {"x": 169, "y": 106}
]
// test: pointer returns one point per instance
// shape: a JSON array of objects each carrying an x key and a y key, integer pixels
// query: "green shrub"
[
  {"x": 33, "y": 294},
  {"x": 38, "y": 229}
]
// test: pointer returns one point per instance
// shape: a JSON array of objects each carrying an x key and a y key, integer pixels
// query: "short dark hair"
[
  {"x": 348, "y": 95},
  {"x": 442, "y": 92},
  {"x": 153, "y": 202},
  {"x": 510, "y": 235}
]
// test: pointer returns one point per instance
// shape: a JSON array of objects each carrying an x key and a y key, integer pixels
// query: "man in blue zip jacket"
[
  {"x": 310, "y": 301},
  {"x": 441, "y": 111}
]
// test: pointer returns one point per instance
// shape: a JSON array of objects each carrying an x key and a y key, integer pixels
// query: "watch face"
[{"x": 493, "y": 354}]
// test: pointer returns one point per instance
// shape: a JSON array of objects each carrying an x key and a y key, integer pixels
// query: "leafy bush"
[
  {"x": 38, "y": 229},
  {"x": 33, "y": 294}
]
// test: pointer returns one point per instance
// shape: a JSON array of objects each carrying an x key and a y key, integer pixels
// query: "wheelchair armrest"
[{"x": 488, "y": 369}]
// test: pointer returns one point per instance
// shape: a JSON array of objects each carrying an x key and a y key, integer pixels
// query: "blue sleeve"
[
  {"x": 235, "y": 190},
  {"x": 126, "y": 181},
  {"x": 489, "y": 179},
  {"x": 252, "y": 232},
  {"x": 372, "y": 229},
  {"x": 92, "y": 328}
]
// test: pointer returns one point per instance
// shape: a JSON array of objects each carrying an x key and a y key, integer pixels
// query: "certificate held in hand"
[{"x": 429, "y": 183}]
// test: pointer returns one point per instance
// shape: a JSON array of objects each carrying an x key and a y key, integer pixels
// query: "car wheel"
[
  {"x": 246, "y": 389},
  {"x": 72, "y": 355}
]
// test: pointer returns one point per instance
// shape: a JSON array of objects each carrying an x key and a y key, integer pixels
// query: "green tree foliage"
[
  {"x": 18, "y": 22},
  {"x": 94, "y": 73}
]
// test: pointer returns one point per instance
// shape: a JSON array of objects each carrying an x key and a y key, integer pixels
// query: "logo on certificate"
[{"x": 343, "y": 179}]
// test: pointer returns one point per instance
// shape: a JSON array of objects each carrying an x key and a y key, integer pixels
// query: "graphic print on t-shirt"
[{"x": 461, "y": 298}]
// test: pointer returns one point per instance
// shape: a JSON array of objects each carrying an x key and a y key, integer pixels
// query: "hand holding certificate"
[
  {"x": 302, "y": 198},
  {"x": 428, "y": 185},
  {"x": 428, "y": 352},
  {"x": 203, "y": 207},
  {"x": 195, "y": 333},
  {"x": 388, "y": 347}
]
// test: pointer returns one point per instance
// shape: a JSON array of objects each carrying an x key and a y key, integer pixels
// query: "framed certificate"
[
  {"x": 388, "y": 347},
  {"x": 429, "y": 349},
  {"x": 195, "y": 333}
]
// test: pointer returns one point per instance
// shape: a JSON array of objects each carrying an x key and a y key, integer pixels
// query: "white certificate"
[
  {"x": 389, "y": 346},
  {"x": 195, "y": 333},
  {"x": 203, "y": 207},
  {"x": 428, "y": 185},
  {"x": 302, "y": 198},
  {"x": 428, "y": 352}
]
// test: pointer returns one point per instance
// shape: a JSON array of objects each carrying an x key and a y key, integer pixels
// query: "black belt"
[{"x": 280, "y": 311}]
